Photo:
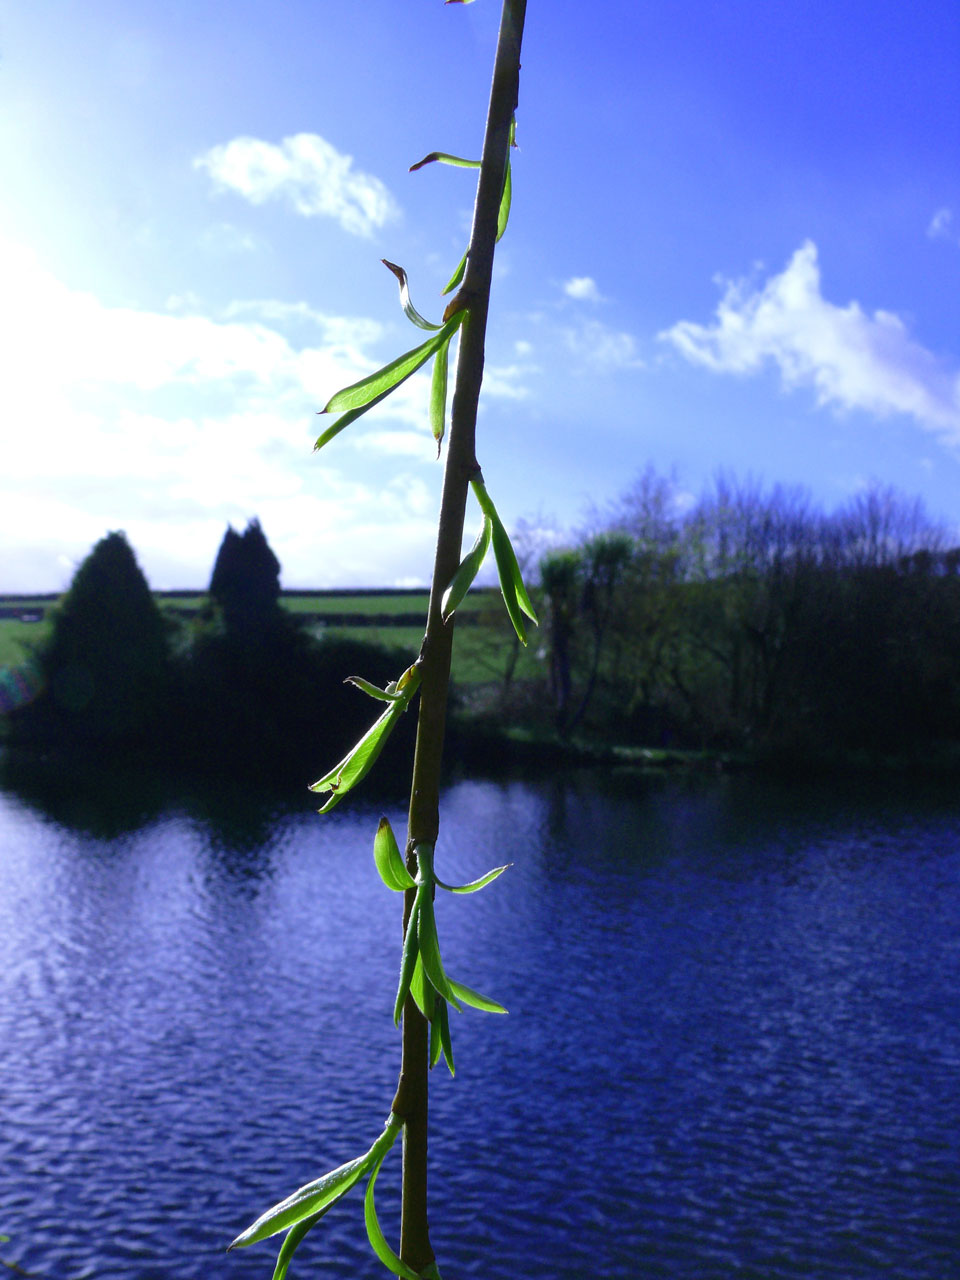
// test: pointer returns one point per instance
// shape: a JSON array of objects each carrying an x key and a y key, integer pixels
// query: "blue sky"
[{"x": 735, "y": 244}]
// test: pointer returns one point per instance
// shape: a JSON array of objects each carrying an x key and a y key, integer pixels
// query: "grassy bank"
[{"x": 391, "y": 618}]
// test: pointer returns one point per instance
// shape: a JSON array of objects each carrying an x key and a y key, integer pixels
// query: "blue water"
[{"x": 733, "y": 1047}]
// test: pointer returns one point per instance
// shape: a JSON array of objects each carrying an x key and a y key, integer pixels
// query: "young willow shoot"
[{"x": 425, "y": 991}]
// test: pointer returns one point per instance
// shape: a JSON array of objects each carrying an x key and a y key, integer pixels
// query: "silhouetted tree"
[
  {"x": 105, "y": 664},
  {"x": 246, "y": 578},
  {"x": 559, "y": 576}
]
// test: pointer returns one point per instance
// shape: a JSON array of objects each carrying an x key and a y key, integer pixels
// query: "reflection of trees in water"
[
  {"x": 91, "y": 796},
  {"x": 241, "y": 827},
  {"x": 243, "y": 830}
]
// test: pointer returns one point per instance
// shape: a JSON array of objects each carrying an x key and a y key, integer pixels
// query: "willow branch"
[{"x": 435, "y": 655}]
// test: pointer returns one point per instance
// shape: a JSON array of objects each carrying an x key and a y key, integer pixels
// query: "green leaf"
[
  {"x": 314, "y": 1198},
  {"x": 291, "y": 1241},
  {"x": 457, "y": 275},
  {"x": 363, "y": 395},
  {"x": 409, "y": 959},
  {"x": 373, "y": 690},
  {"x": 503, "y": 216},
  {"x": 376, "y": 1237},
  {"x": 511, "y": 580},
  {"x": 360, "y": 759},
  {"x": 390, "y": 864},
  {"x": 474, "y": 885},
  {"x": 409, "y": 310},
  {"x": 436, "y": 1047},
  {"x": 469, "y": 568},
  {"x": 446, "y": 1044},
  {"x": 391, "y": 375},
  {"x": 438, "y": 395},
  {"x": 431, "y": 1272},
  {"x": 306, "y": 1202},
  {"x": 409, "y": 681},
  {"x": 474, "y": 998},
  {"x": 423, "y": 993},
  {"x": 430, "y": 951},
  {"x": 444, "y": 157},
  {"x": 508, "y": 568},
  {"x": 344, "y": 421},
  {"x": 358, "y": 762}
]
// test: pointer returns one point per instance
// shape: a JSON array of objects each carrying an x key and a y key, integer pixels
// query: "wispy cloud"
[
  {"x": 602, "y": 348},
  {"x": 851, "y": 359},
  {"x": 943, "y": 226},
  {"x": 506, "y": 381},
  {"x": 583, "y": 289},
  {"x": 169, "y": 425},
  {"x": 223, "y": 238},
  {"x": 307, "y": 172}
]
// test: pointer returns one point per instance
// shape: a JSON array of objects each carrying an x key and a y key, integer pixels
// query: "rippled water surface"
[{"x": 733, "y": 1047}]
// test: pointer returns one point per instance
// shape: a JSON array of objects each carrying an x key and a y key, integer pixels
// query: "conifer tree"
[{"x": 105, "y": 664}]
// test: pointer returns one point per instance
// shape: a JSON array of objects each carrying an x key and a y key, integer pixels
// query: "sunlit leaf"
[
  {"x": 474, "y": 885},
  {"x": 469, "y": 568},
  {"x": 390, "y": 864},
  {"x": 423, "y": 993},
  {"x": 474, "y": 998},
  {"x": 409, "y": 310},
  {"x": 363, "y": 395},
  {"x": 436, "y": 1046},
  {"x": 314, "y": 1198},
  {"x": 409, "y": 958},
  {"x": 444, "y": 157},
  {"x": 306, "y": 1202},
  {"x": 291, "y": 1242},
  {"x": 508, "y": 557},
  {"x": 446, "y": 1043},
  {"x": 457, "y": 275},
  {"x": 430, "y": 952},
  {"x": 376, "y": 1237},
  {"x": 373, "y": 690},
  {"x": 391, "y": 375},
  {"x": 438, "y": 395},
  {"x": 511, "y": 581},
  {"x": 358, "y": 762},
  {"x": 410, "y": 679},
  {"x": 503, "y": 216},
  {"x": 345, "y": 419}
]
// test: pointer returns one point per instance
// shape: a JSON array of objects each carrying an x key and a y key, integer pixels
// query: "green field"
[
  {"x": 481, "y": 651},
  {"x": 16, "y": 639}
]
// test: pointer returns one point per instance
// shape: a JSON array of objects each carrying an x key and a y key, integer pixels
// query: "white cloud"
[
  {"x": 852, "y": 360},
  {"x": 583, "y": 289},
  {"x": 169, "y": 425},
  {"x": 225, "y": 238},
  {"x": 306, "y": 171},
  {"x": 504, "y": 381},
  {"x": 398, "y": 444},
  {"x": 601, "y": 348},
  {"x": 943, "y": 227}
]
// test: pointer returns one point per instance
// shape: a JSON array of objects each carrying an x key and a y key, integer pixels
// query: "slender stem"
[{"x": 461, "y": 467}]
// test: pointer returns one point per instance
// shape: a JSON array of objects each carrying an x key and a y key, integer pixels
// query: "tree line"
[
  {"x": 746, "y": 619},
  {"x": 751, "y": 619},
  {"x": 243, "y": 686}
]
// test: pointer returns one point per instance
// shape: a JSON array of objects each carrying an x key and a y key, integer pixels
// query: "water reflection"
[
  {"x": 103, "y": 800},
  {"x": 732, "y": 1050}
]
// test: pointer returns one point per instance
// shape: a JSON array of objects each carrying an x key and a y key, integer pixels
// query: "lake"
[{"x": 733, "y": 1047}]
